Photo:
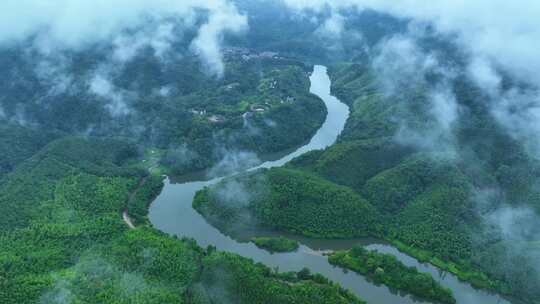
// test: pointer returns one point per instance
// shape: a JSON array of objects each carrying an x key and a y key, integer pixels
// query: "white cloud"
[
  {"x": 165, "y": 91},
  {"x": 75, "y": 24},
  {"x": 332, "y": 27},
  {"x": 519, "y": 112},
  {"x": 101, "y": 86},
  {"x": 159, "y": 37},
  {"x": 52, "y": 71},
  {"x": 399, "y": 62},
  {"x": 505, "y": 32},
  {"x": 514, "y": 223},
  {"x": 497, "y": 35},
  {"x": 444, "y": 107},
  {"x": 207, "y": 43},
  {"x": 483, "y": 73},
  {"x": 402, "y": 68}
]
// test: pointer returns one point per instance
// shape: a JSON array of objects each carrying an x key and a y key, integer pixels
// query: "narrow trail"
[
  {"x": 125, "y": 213},
  {"x": 127, "y": 219}
]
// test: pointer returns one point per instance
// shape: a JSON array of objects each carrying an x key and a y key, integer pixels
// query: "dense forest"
[
  {"x": 386, "y": 269},
  {"x": 290, "y": 200},
  {"x": 262, "y": 104},
  {"x": 276, "y": 244},
  {"x": 424, "y": 201},
  {"x": 63, "y": 239},
  {"x": 85, "y": 138},
  {"x": 432, "y": 198}
]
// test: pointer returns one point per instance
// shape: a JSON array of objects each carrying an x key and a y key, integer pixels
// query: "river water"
[{"x": 172, "y": 213}]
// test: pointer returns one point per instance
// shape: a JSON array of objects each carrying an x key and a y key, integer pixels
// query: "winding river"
[{"x": 172, "y": 213}]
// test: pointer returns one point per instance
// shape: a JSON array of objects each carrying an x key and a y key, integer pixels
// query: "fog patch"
[
  {"x": 53, "y": 71},
  {"x": 180, "y": 156},
  {"x": 519, "y": 112},
  {"x": 489, "y": 42},
  {"x": 165, "y": 91},
  {"x": 207, "y": 44},
  {"x": 510, "y": 39},
  {"x": 428, "y": 108},
  {"x": 507, "y": 243},
  {"x": 101, "y": 86},
  {"x": 514, "y": 224},
  {"x": 233, "y": 161},
  {"x": 131, "y": 283},
  {"x": 60, "y": 294},
  {"x": 214, "y": 286},
  {"x": 58, "y": 25},
  {"x": 399, "y": 64},
  {"x": 484, "y": 75},
  {"x": 270, "y": 123},
  {"x": 235, "y": 197},
  {"x": 332, "y": 27},
  {"x": 233, "y": 193},
  {"x": 92, "y": 270},
  {"x": 158, "y": 37}
]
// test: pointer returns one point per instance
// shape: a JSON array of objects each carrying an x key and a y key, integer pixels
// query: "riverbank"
[{"x": 172, "y": 212}]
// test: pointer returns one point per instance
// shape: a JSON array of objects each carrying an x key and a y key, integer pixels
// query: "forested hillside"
[
  {"x": 423, "y": 200},
  {"x": 261, "y": 104},
  {"x": 63, "y": 239},
  {"x": 440, "y": 155},
  {"x": 385, "y": 268},
  {"x": 18, "y": 143}
]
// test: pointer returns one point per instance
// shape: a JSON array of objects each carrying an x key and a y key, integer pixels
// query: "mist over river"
[{"x": 172, "y": 213}]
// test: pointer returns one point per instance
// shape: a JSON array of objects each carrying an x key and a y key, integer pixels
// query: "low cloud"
[
  {"x": 493, "y": 42},
  {"x": 509, "y": 39},
  {"x": 208, "y": 42},
  {"x": 90, "y": 271},
  {"x": 52, "y": 71},
  {"x": 57, "y": 25},
  {"x": 102, "y": 87},
  {"x": 399, "y": 63},
  {"x": 233, "y": 162},
  {"x": 514, "y": 224},
  {"x": 404, "y": 72},
  {"x": 332, "y": 27},
  {"x": 159, "y": 37},
  {"x": 180, "y": 156}
]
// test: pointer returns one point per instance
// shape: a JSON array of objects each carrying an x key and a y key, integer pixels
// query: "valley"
[{"x": 269, "y": 151}]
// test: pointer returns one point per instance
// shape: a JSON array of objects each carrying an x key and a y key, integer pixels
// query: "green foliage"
[
  {"x": 176, "y": 106},
  {"x": 66, "y": 242},
  {"x": 294, "y": 201},
  {"x": 352, "y": 163},
  {"x": 425, "y": 203},
  {"x": 372, "y": 114},
  {"x": 140, "y": 199},
  {"x": 58, "y": 204},
  {"x": 34, "y": 183},
  {"x": 386, "y": 269},
  {"x": 222, "y": 114},
  {"x": 18, "y": 143},
  {"x": 275, "y": 244},
  {"x": 230, "y": 278},
  {"x": 430, "y": 205}
]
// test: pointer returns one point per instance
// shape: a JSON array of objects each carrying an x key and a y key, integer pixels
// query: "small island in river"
[{"x": 275, "y": 244}]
